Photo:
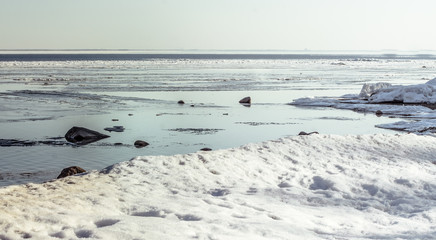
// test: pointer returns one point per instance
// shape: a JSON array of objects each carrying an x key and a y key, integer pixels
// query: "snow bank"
[{"x": 303, "y": 187}]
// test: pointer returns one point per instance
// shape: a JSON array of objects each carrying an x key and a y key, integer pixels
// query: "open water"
[{"x": 43, "y": 95}]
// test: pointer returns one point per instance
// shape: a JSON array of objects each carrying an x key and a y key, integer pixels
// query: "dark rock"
[
  {"x": 141, "y": 144},
  {"x": 118, "y": 144},
  {"x": 115, "y": 129},
  {"x": 206, "y": 149},
  {"x": 130, "y": 114},
  {"x": 378, "y": 113},
  {"x": 181, "y": 102},
  {"x": 115, "y": 120},
  {"x": 245, "y": 100},
  {"x": 302, "y": 133},
  {"x": 83, "y": 136},
  {"x": 69, "y": 171},
  {"x": 192, "y": 105}
]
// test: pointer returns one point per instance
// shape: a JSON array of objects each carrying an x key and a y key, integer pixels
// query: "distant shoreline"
[{"x": 91, "y": 55}]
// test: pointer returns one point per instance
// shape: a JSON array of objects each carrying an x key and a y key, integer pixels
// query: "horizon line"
[{"x": 203, "y": 50}]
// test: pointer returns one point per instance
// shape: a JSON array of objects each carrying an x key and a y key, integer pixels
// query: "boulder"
[
  {"x": 245, "y": 100},
  {"x": 69, "y": 171},
  {"x": 206, "y": 149},
  {"x": 141, "y": 144},
  {"x": 83, "y": 136},
  {"x": 181, "y": 102}
]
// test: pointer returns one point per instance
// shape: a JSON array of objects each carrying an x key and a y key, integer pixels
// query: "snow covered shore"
[{"x": 303, "y": 187}]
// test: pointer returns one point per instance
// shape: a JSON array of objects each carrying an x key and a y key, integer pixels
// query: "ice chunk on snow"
[{"x": 370, "y": 88}]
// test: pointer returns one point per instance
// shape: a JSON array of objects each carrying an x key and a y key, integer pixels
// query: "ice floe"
[{"x": 302, "y": 187}]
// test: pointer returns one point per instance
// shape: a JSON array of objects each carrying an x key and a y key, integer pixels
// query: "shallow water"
[{"x": 142, "y": 96}]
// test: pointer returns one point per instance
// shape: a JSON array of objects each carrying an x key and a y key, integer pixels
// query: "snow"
[{"x": 302, "y": 187}]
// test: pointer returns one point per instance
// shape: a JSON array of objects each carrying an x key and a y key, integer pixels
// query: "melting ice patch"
[{"x": 303, "y": 187}]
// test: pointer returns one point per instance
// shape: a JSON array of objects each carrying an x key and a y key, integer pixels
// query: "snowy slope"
[{"x": 303, "y": 187}]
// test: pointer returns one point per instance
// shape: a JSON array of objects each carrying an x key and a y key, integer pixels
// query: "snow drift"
[{"x": 303, "y": 187}]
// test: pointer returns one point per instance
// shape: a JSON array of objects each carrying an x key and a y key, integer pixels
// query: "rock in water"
[
  {"x": 140, "y": 144},
  {"x": 69, "y": 171},
  {"x": 245, "y": 100},
  {"x": 83, "y": 136}
]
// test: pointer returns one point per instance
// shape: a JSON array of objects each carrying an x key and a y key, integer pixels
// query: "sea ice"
[
  {"x": 369, "y": 89},
  {"x": 420, "y": 93},
  {"x": 302, "y": 187},
  {"x": 394, "y": 101}
]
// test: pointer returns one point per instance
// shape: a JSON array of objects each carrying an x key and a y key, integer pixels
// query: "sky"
[{"x": 218, "y": 24}]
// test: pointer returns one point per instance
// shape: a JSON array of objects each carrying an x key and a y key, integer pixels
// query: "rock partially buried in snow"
[
  {"x": 181, "y": 102},
  {"x": 141, "y": 144},
  {"x": 83, "y": 136},
  {"x": 69, "y": 171},
  {"x": 245, "y": 100}
]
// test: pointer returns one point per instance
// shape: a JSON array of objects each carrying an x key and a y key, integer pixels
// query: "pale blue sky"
[{"x": 218, "y": 24}]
